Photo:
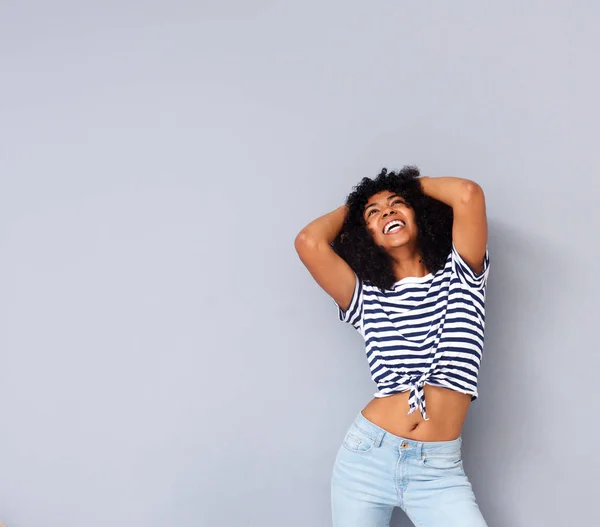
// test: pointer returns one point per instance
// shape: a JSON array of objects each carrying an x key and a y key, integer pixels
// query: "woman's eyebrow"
[{"x": 388, "y": 198}]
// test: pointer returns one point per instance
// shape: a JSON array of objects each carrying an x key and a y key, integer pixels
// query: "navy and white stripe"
[{"x": 425, "y": 330}]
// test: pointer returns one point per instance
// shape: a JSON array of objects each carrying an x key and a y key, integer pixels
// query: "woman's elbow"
[
  {"x": 471, "y": 192},
  {"x": 303, "y": 241}
]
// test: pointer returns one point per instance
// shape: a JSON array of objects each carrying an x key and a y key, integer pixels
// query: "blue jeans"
[{"x": 376, "y": 471}]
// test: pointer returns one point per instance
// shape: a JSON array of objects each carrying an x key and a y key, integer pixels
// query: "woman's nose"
[{"x": 388, "y": 212}]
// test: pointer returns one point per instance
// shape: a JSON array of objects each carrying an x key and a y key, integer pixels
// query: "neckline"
[{"x": 414, "y": 279}]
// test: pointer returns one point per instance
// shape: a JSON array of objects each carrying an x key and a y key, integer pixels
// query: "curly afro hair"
[{"x": 356, "y": 246}]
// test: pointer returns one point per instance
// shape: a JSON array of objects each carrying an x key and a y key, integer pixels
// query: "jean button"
[{"x": 404, "y": 444}]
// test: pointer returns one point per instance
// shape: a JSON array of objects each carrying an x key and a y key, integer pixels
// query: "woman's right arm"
[{"x": 330, "y": 271}]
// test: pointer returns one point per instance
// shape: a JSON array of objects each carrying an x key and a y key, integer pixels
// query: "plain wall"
[{"x": 166, "y": 360}]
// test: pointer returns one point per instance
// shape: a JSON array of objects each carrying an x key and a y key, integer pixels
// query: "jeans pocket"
[
  {"x": 357, "y": 441},
  {"x": 443, "y": 463}
]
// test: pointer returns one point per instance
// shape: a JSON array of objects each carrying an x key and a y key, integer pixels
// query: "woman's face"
[{"x": 390, "y": 220}]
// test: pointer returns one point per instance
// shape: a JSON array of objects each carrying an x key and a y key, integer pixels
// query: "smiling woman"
[
  {"x": 422, "y": 244},
  {"x": 391, "y": 224},
  {"x": 406, "y": 261}
]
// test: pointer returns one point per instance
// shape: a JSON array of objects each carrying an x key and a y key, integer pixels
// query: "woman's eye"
[
  {"x": 371, "y": 212},
  {"x": 398, "y": 201}
]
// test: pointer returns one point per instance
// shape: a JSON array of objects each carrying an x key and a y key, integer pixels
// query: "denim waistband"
[{"x": 379, "y": 436}]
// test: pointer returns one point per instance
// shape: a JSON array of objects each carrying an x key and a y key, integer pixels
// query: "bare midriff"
[{"x": 446, "y": 412}]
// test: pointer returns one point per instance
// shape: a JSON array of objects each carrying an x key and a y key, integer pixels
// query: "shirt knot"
[{"x": 416, "y": 399}]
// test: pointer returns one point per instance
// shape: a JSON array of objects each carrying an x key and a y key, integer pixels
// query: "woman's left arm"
[{"x": 469, "y": 229}]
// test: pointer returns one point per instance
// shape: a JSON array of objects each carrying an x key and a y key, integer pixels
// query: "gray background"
[{"x": 165, "y": 358}]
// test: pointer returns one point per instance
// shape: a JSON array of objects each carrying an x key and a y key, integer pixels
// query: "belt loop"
[
  {"x": 420, "y": 450},
  {"x": 379, "y": 438}
]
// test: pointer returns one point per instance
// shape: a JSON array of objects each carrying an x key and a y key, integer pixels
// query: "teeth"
[{"x": 393, "y": 224}]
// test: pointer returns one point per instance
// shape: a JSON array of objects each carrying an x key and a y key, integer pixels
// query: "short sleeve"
[
  {"x": 354, "y": 314},
  {"x": 466, "y": 275}
]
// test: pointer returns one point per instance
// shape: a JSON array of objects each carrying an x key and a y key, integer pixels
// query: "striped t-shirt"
[{"x": 425, "y": 330}]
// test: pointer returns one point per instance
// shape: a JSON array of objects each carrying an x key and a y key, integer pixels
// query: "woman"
[{"x": 406, "y": 262}]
